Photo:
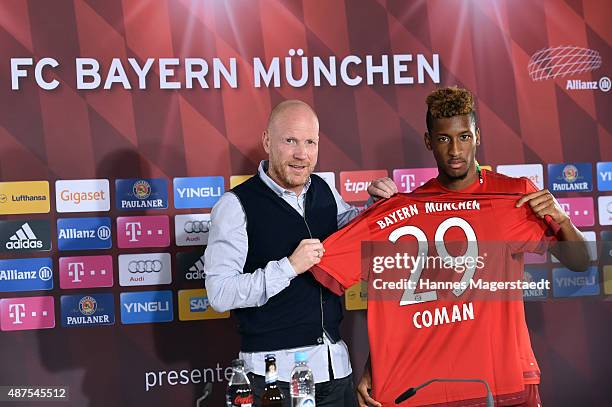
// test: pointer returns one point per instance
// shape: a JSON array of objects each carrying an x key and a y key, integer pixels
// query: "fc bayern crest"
[
  {"x": 142, "y": 189},
  {"x": 88, "y": 305}
]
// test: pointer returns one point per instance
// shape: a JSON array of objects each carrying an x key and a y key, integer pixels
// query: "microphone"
[
  {"x": 207, "y": 391},
  {"x": 413, "y": 390}
]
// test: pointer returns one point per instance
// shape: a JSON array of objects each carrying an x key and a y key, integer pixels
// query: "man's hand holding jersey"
[
  {"x": 572, "y": 251},
  {"x": 382, "y": 188}
]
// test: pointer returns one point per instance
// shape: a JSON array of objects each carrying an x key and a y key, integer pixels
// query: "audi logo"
[
  {"x": 197, "y": 226},
  {"x": 145, "y": 266}
]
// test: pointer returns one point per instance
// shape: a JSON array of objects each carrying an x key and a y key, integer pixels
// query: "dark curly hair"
[{"x": 449, "y": 102}]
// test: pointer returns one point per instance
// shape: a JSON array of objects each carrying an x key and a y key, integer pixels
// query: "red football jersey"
[
  {"x": 417, "y": 334},
  {"x": 493, "y": 183}
]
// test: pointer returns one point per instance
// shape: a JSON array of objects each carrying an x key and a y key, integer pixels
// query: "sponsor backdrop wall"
[{"x": 122, "y": 122}]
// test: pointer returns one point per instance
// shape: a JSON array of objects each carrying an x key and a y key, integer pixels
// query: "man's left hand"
[
  {"x": 543, "y": 203},
  {"x": 382, "y": 188}
]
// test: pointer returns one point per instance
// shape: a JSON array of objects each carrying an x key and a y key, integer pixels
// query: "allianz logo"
[
  {"x": 102, "y": 233},
  {"x": 24, "y": 238},
  {"x": 149, "y": 306},
  {"x": 200, "y": 192},
  {"x": 44, "y": 273}
]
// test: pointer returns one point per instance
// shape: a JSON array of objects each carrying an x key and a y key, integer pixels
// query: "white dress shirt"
[{"x": 229, "y": 288}]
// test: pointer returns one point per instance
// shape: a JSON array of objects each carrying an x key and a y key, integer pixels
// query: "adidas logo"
[
  {"x": 24, "y": 238},
  {"x": 196, "y": 272}
]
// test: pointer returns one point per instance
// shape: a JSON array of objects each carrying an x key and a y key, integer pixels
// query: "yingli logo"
[{"x": 85, "y": 195}]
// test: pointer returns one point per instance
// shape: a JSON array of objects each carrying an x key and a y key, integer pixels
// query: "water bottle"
[
  {"x": 302, "y": 383},
  {"x": 239, "y": 393}
]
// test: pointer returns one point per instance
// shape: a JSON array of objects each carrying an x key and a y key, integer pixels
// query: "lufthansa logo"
[
  {"x": 145, "y": 266},
  {"x": 197, "y": 226}
]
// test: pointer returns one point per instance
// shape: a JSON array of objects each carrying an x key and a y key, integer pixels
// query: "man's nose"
[
  {"x": 454, "y": 148},
  {"x": 299, "y": 152}
]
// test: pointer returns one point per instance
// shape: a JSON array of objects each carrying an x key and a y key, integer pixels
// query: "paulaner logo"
[
  {"x": 570, "y": 177},
  {"x": 141, "y": 193},
  {"x": 87, "y": 310}
]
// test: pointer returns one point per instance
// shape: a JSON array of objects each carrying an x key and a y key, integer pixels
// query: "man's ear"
[
  {"x": 477, "y": 136},
  {"x": 427, "y": 140},
  {"x": 265, "y": 140}
]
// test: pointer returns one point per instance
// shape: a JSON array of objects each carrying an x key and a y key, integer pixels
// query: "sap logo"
[
  {"x": 203, "y": 192},
  {"x": 151, "y": 306},
  {"x": 198, "y": 304},
  {"x": 194, "y": 305}
]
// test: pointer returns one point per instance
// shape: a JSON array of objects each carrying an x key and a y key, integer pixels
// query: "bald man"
[{"x": 265, "y": 234}]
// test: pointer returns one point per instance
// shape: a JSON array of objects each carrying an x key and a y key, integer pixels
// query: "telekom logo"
[
  {"x": 580, "y": 210},
  {"x": 76, "y": 271},
  {"x": 143, "y": 231},
  {"x": 133, "y": 230},
  {"x": 24, "y": 313},
  {"x": 16, "y": 312},
  {"x": 409, "y": 179},
  {"x": 86, "y": 271}
]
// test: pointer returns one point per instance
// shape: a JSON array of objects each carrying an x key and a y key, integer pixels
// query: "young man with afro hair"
[{"x": 453, "y": 137}]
